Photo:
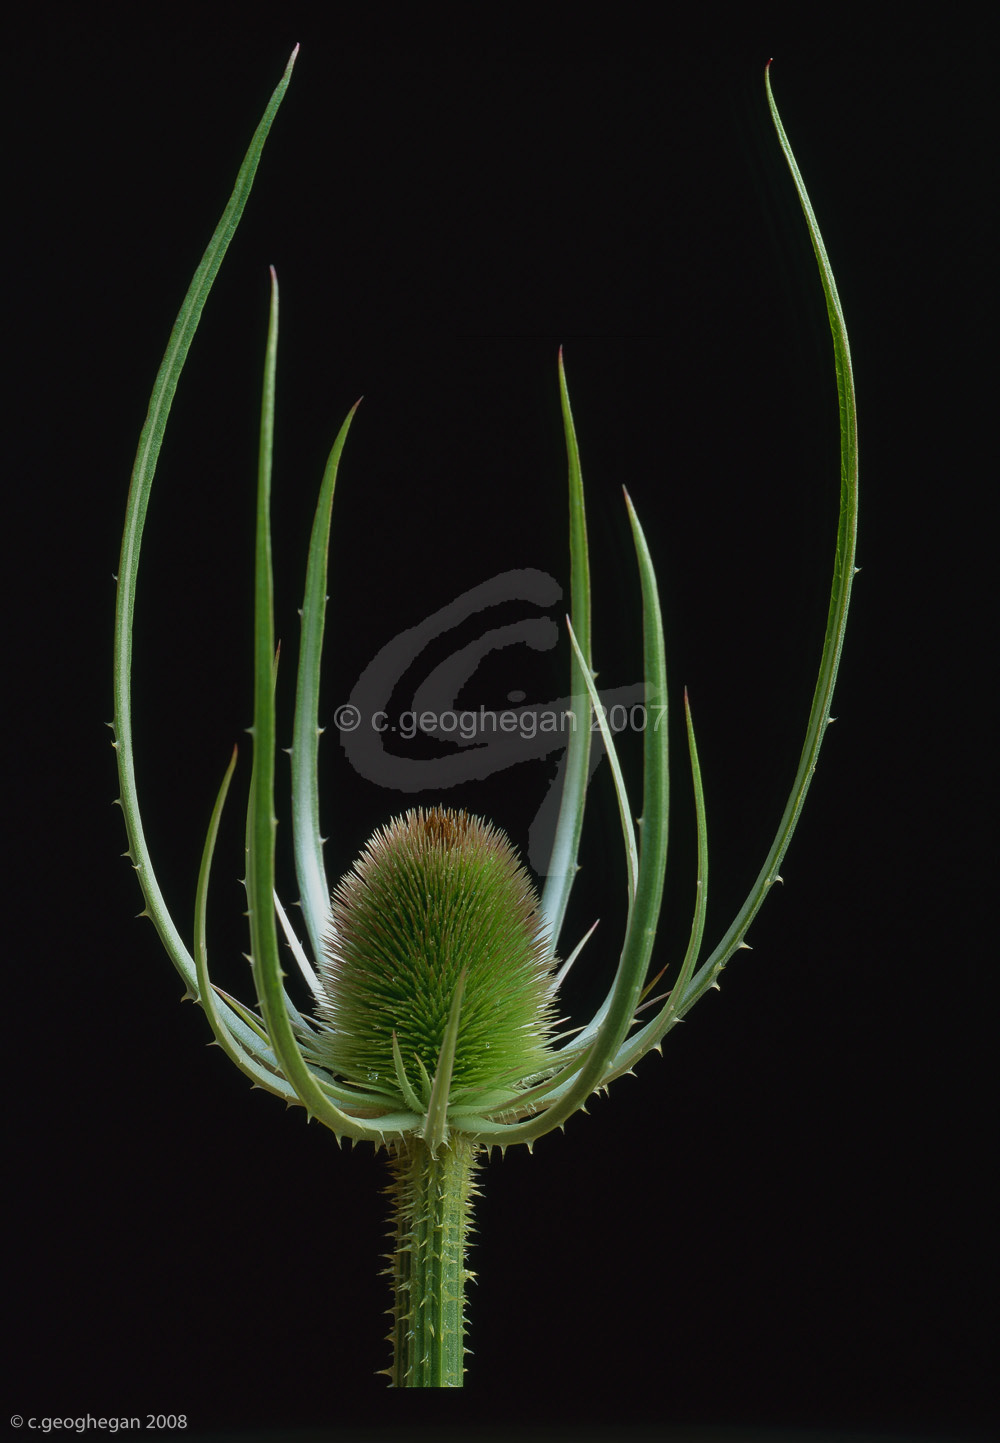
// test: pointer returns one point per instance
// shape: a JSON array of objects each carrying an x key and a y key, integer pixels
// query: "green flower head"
[{"x": 437, "y": 903}]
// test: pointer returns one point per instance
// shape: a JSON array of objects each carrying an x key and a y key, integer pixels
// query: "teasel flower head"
[{"x": 437, "y": 906}]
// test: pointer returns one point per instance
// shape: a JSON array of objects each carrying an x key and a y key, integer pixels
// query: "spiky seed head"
[{"x": 433, "y": 894}]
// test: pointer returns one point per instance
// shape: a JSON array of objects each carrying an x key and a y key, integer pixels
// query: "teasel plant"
[{"x": 432, "y": 970}]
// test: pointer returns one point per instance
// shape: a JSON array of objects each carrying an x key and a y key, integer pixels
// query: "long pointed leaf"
[
  {"x": 840, "y": 594},
  {"x": 566, "y": 845},
  {"x": 309, "y": 866},
  {"x": 150, "y": 442}
]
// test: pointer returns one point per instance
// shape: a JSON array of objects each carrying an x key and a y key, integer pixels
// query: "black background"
[{"x": 779, "y": 1225}]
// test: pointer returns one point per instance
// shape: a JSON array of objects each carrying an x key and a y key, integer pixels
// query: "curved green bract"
[
  {"x": 840, "y": 598},
  {"x": 569, "y": 827},
  {"x": 310, "y": 871},
  {"x": 150, "y": 441}
]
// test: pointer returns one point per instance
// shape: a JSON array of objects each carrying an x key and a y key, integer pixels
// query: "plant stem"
[{"x": 432, "y": 1214}]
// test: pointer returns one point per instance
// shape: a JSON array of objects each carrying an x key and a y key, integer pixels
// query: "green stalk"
[{"x": 432, "y": 1194}]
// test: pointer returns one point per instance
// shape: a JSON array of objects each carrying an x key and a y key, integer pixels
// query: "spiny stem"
[{"x": 432, "y": 1196}]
